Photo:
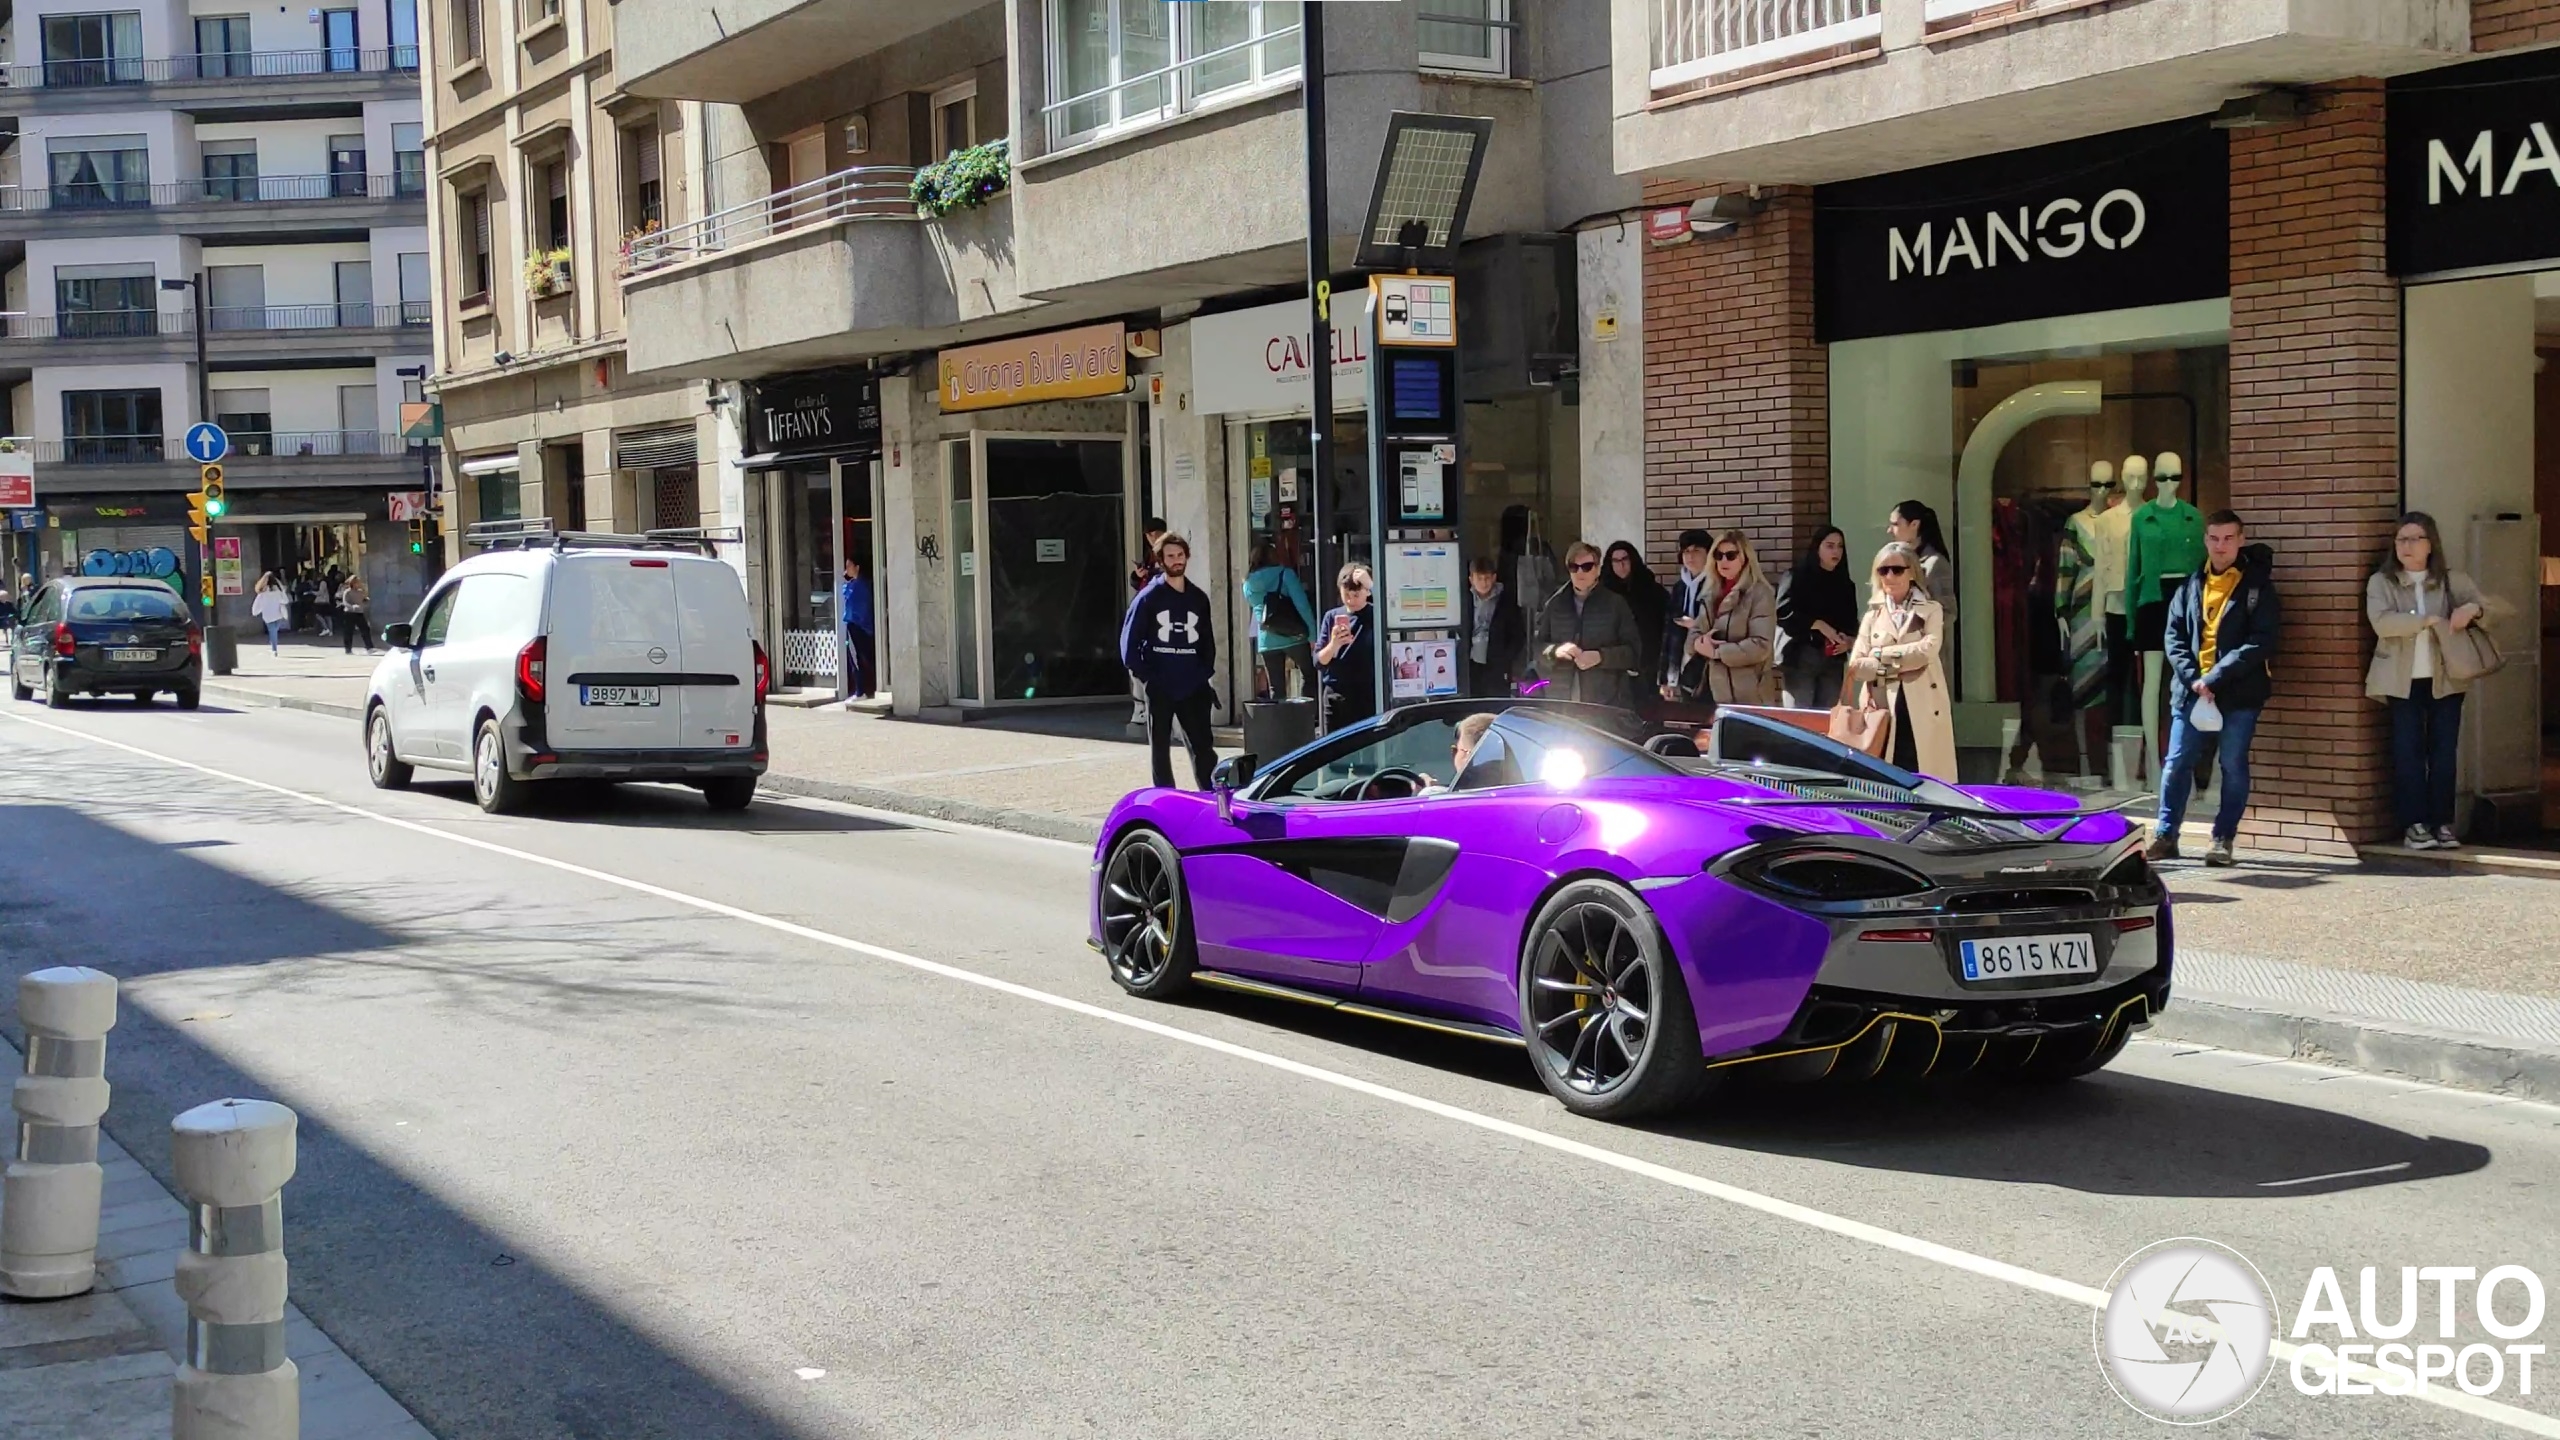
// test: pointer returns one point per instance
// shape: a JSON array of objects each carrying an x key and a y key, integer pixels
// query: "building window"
[
  {"x": 230, "y": 169},
  {"x": 1118, "y": 63},
  {"x": 93, "y": 49},
  {"x": 248, "y": 417},
  {"x": 955, "y": 118},
  {"x": 404, "y": 34},
  {"x": 466, "y": 31},
  {"x": 471, "y": 232},
  {"x": 106, "y": 172},
  {"x": 222, "y": 46},
  {"x": 551, "y": 182},
  {"x": 408, "y": 160},
  {"x": 415, "y": 307},
  {"x": 537, "y": 11},
  {"x": 338, "y": 34},
  {"x": 105, "y": 300},
  {"x": 1470, "y": 38},
  {"x": 110, "y": 427},
  {"x": 346, "y": 167},
  {"x": 644, "y": 201},
  {"x": 236, "y": 297},
  {"x": 500, "y": 496}
]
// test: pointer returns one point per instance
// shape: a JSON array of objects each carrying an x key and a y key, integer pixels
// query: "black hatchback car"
[{"x": 104, "y": 636}]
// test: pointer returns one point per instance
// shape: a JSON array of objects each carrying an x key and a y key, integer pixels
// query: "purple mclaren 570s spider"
[{"x": 1641, "y": 918}]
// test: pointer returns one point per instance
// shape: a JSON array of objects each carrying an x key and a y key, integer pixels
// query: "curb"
[
  {"x": 1021, "y": 822},
  {"x": 262, "y": 700},
  {"x": 2414, "y": 1052}
]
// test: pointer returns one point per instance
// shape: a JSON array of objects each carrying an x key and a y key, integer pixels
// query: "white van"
[{"x": 575, "y": 657}]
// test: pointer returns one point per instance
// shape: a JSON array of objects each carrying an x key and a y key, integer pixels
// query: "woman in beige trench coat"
[{"x": 1896, "y": 662}]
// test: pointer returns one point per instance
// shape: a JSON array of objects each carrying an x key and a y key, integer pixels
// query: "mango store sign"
[
  {"x": 1019, "y": 370},
  {"x": 1253, "y": 362}
]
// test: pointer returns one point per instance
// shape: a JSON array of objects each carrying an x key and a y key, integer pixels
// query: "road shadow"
[
  {"x": 650, "y": 805},
  {"x": 477, "y": 1338}
]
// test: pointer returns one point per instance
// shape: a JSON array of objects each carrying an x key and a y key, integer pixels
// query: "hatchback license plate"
[
  {"x": 133, "y": 657},
  {"x": 617, "y": 694},
  {"x": 2028, "y": 957}
]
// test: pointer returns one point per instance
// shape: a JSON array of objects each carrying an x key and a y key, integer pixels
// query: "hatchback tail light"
[
  {"x": 62, "y": 644},
  {"x": 764, "y": 672},
  {"x": 529, "y": 666},
  {"x": 195, "y": 641}
]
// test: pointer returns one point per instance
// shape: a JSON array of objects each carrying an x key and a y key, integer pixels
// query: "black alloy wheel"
[
  {"x": 1146, "y": 922},
  {"x": 1605, "y": 1009}
]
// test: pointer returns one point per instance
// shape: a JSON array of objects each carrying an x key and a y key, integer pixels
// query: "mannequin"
[
  {"x": 2080, "y": 612},
  {"x": 2113, "y": 552},
  {"x": 2167, "y": 547}
]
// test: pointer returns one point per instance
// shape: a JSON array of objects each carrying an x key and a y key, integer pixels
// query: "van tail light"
[
  {"x": 62, "y": 640},
  {"x": 764, "y": 672},
  {"x": 195, "y": 641},
  {"x": 529, "y": 662}
]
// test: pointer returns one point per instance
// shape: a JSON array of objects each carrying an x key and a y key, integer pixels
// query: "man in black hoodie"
[
  {"x": 2222, "y": 630},
  {"x": 1169, "y": 648}
]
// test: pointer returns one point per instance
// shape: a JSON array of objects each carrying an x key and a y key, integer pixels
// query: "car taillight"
[
  {"x": 2127, "y": 924},
  {"x": 1907, "y": 937},
  {"x": 529, "y": 668},
  {"x": 195, "y": 641},
  {"x": 764, "y": 672},
  {"x": 62, "y": 640}
]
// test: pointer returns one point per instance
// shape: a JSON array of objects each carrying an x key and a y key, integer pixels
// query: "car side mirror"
[
  {"x": 398, "y": 635},
  {"x": 1233, "y": 774}
]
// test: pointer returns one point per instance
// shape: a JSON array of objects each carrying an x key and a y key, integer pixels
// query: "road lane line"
[{"x": 2091, "y": 1297}]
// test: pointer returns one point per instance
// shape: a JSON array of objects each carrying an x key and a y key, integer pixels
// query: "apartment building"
[
  {"x": 242, "y": 183},
  {"x": 1998, "y": 255},
  {"x": 1099, "y": 312},
  {"x": 542, "y": 172}
]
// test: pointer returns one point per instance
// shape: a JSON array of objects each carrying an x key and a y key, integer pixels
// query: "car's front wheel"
[
  {"x": 382, "y": 759},
  {"x": 19, "y": 690},
  {"x": 1605, "y": 1009},
  {"x": 1146, "y": 917},
  {"x": 498, "y": 792}
]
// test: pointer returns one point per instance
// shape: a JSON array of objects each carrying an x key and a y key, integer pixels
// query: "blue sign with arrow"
[{"x": 206, "y": 443}]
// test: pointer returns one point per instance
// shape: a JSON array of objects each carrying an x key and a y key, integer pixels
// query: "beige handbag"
[
  {"x": 1868, "y": 727},
  {"x": 2468, "y": 653}
]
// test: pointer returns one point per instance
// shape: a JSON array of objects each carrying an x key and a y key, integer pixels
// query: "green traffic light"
[
  {"x": 215, "y": 507},
  {"x": 417, "y": 549}
]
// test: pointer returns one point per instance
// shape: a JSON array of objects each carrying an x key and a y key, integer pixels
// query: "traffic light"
[
  {"x": 196, "y": 517},
  {"x": 417, "y": 535},
  {"x": 214, "y": 504}
]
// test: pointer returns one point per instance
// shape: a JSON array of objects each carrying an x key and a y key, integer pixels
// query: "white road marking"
[
  {"x": 2091, "y": 1297},
  {"x": 2392, "y": 1168}
]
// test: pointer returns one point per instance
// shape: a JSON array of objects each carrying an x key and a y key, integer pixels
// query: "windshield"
[
  {"x": 1526, "y": 747},
  {"x": 125, "y": 605}
]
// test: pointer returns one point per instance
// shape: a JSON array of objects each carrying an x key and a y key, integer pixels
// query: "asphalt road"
[{"x": 625, "y": 1120}]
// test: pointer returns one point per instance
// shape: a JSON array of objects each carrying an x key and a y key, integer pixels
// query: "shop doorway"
[
  {"x": 1039, "y": 545},
  {"x": 824, "y": 513}
]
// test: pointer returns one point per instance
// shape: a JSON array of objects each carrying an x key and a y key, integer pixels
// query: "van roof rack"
[{"x": 540, "y": 534}]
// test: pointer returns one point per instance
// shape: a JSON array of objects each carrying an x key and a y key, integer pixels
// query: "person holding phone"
[{"x": 1346, "y": 653}]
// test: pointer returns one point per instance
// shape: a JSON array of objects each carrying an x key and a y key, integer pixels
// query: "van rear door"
[
  {"x": 614, "y": 654},
  {"x": 718, "y": 708}
]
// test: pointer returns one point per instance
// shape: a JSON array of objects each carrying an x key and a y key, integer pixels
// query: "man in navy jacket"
[
  {"x": 1169, "y": 648},
  {"x": 2222, "y": 630}
]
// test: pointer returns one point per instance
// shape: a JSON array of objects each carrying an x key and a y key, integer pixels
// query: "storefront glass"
[
  {"x": 806, "y": 562},
  {"x": 1054, "y": 565},
  {"x": 958, "y": 462}
]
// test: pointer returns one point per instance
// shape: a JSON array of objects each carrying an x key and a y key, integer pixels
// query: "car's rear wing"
[{"x": 1795, "y": 741}]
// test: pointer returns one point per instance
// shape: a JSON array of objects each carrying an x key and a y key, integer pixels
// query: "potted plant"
[
  {"x": 963, "y": 179},
  {"x": 562, "y": 276},
  {"x": 537, "y": 275},
  {"x": 636, "y": 239}
]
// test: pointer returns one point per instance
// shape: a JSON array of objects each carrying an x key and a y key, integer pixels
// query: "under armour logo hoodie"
[{"x": 1166, "y": 641}]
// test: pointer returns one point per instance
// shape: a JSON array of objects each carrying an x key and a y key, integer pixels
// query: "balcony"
[
  {"x": 210, "y": 82},
  {"x": 233, "y": 333},
  {"x": 214, "y": 207},
  {"x": 822, "y": 273},
  {"x": 281, "y": 459},
  {"x": 680, "y": 50},
  {"x": 1809, "y": 91}
]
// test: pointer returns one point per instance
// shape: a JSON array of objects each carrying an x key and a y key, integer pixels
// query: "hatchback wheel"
[
  {"x": 19, "y": 690},
  {"x": 498, "y": 792},
  {"x": 381, "y": 759},
  {"x": 188, "y": 699},
  {"x": 1605, "y": 1009},
  {"x": 57, "y": 694}
]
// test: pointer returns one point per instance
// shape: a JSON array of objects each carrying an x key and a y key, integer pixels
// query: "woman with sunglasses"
[
  {"x": 1896, "y": 664},
  {"x": 1737, "y": 635},
  {"x": 1585, "y": 637},
  {"x": 1345, "y": 653},
  {"x": 1817, "y": 619}
]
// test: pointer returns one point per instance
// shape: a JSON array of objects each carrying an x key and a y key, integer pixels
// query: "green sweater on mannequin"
[{"x": 2167, "y": 545}]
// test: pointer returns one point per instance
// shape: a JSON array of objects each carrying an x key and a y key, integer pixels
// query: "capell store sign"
[
  {"x": 2139, "y": 217},
  {"x": 2474, "y": 155}
]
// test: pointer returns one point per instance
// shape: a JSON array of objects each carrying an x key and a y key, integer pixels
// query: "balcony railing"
[
  {"x": 1701, "y": 41},
  {"x": 210, "y": 190},
  {"x": 1175, "y": 89},
  {"x": 872, "y": 192},
  {"x": 220, "y": 65},
  {"x": 279, "y": 444},
  {"x": 221, "y": 319}
]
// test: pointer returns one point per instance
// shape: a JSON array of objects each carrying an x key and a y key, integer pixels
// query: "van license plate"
[
  {"x": 2028, "y": 957},
  {"x": 132, "y": 657},
  {"x": 617, "y": 694}
]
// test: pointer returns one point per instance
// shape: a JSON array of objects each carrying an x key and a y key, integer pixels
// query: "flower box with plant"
[
  {"x": 548, "y": 273},
  {"x": 636, "y": 249},
  {"x": 963, "y": 179}
]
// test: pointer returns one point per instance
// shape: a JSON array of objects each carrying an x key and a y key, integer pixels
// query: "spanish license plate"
[
  {"x": 132, "y": 657},
  {"x": 2028, "y": 957},
  {"x": 617, "y": 694}
]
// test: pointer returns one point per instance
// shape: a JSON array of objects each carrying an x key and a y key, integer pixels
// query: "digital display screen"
[{"x": 1418, "y": 391}]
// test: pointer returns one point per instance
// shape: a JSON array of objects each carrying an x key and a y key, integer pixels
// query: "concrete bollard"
[
  {"x": 232, "y": 1158},
  {"x": 49, "y": 1195}
]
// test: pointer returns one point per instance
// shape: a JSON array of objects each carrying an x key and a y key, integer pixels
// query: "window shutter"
[{"x": 645, "y": 140}]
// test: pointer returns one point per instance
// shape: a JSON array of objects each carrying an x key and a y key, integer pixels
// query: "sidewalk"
[
  {"x": 2446, "y": 967},
  {"x": 100, "y": 1366}
]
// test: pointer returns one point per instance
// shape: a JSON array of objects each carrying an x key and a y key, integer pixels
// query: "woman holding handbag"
[
  {"x": 1894, "y": 668},
  {"x": 1817, "y": 620},
  {"x": 1736, "y": 632},
  {"x": 2429, "y": 647}
]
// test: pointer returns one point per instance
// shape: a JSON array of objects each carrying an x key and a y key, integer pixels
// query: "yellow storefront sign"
[{"x": 1061, "y": 365}]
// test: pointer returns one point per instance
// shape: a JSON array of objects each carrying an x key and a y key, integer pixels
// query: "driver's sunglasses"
[
  {"x": 1584, "y": 567},
  {"x": 1893, "y": 569},
  {"x": 1728, "y": 554}
]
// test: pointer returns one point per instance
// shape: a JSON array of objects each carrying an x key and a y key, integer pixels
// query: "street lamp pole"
[
  {"x": 1319, "y": 295},
  {"x": 204, "y": 414}
]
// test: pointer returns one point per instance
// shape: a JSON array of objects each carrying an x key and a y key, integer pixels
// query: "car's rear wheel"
[
  {"x": 19, "y": 690},
  {"x": 498, "y": 792},
  {"x": 1605, "y": 1009},
  {"x": 188, "y": 699},
  {"x": 1146, "y": 917},
  {"x": 57, "y": 694},
  {"x": 729, "y": 792},
  {"x": 382, "y": 758}
]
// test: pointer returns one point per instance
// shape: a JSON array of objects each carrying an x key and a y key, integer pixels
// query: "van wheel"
[
  {"x": 498, "y": 792},
  {"x": 381, "y": 759},
  {"x": 730, "y": 792}
]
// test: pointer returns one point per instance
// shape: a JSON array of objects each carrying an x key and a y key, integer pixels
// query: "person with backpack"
[{"x": 1284, "y": 622}]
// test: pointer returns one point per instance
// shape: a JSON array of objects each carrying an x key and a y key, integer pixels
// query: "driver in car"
[{"x": 1462, "y": 750}]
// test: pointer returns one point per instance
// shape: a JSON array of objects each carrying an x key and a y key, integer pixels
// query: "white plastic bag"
[{"x": 2206, "y": 716}]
